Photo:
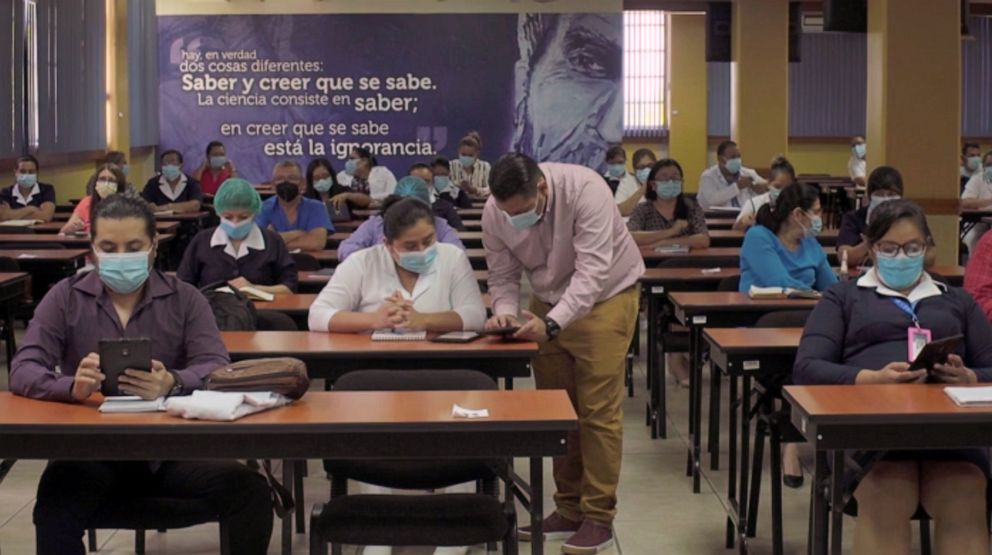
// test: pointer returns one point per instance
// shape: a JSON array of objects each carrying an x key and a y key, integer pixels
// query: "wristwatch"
[
  {"x": 551, "y": 328},
  {"x": 177, "y": 388}
]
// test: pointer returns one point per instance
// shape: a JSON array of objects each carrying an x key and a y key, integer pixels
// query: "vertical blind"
[
  {"x": 71, "y": 75},
  {"x": 976, "y": 79},
  {"x": 643, "y": 73},
  {"x": 11, "y": 84},
  {"x": 142, "y": 51}
]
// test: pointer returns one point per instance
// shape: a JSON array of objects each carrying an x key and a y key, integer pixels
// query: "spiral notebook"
[{"x": 398, "y": 335}]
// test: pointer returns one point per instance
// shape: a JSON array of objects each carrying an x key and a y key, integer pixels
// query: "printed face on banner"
[{"x": 306, "y": 86}]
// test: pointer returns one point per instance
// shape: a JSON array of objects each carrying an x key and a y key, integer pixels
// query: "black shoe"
[{"x": 794, "y": 482}]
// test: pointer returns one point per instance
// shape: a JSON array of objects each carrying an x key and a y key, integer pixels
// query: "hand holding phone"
[
  {"x": 88, "y": 377},
  {"x": 119, "y": 355}
]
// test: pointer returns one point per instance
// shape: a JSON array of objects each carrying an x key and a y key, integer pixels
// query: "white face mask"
[{"x": 105, "y": 188}]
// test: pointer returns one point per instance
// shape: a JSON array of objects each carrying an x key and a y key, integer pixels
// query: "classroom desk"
[
  {"x": 733, "y": 238},
  {"x": 313, "y": 282},
  {"x": 55, "y": 227},
  {"x": 331, "y": 355},
  {"x": 741, "y": 354},
  {"x": 833, "y": 418},
  {"x": 47, "y": 266},
  {"x": 471, "y": 239},
  {"x": 722, "y": 214},
  {"x": 322, "y": 425},
  {"x": 68, "y": 241},
  {"x": 719, "y": 223},
  {"x": 13, "y": 286},
  {"x": 297, "y": 305},
  {"x": 472, "y": 225},
  {"x": 717, "y": 309},
  {"x": 329, "y": 257},
  {"x": 725, "y": 255},
  {"x": 972, "y": 217}
]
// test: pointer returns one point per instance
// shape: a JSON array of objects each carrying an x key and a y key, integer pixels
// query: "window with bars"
[{"x": 644, "y": 73}]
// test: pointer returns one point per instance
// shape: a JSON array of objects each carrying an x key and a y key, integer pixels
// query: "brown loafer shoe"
[
  {"x": 555, "y": 527},
  {"x": 591, "y": 538}
]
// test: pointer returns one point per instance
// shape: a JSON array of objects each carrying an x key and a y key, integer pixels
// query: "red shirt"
[
  {"x": 209, "y": 184},
  {"x": 978, "y": 274}
]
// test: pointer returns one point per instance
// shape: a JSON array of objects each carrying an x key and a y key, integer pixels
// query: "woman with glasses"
[
  {"x": 668, "y": 218},
  {"x": 863, "y": 332}
]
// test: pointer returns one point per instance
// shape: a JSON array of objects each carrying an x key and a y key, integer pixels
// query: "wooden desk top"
[
  {"x": 183, "y": 217},
  {"x": 55, "y": 227},
  {"x": 318, "y": 410},
  {"x": 299, "y": 303},
  {"x": 68, "y": 240},
  {"x": 719, "y": 223},
  {"x": 891, "y": 403},
  {"x": 45, "y": 255},
  {"x": 738, "y": 234},
  {"x": 754, "y": 340},
  {"x": 687, "y": 274},
  {"x": 7, "y": 278},
  {"x": 470, "y": 212},
  {"x": 330, "y": 256},
  {"x": 650, "y": 255},
  {"x": 339, "y": 236},
  {"x": 717, "y": 214},
  {"x": 733, "y": 302},
  {"x": 349, "y": 346}
]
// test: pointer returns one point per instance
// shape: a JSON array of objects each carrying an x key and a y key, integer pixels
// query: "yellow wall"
[
  {"x": 686, "y": 107},
  {"x": 69, "y": 179}
]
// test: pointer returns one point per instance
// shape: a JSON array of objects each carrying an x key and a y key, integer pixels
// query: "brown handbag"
[{"x": 284, "y": 375}]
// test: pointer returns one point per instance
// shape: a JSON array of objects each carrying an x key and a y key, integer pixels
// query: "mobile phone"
[
  {"x": 935, "y": 352},
  {"x": 457, "y": 337},
  {"x": 118, "y": 355},
  {"x": 506, "y": 331}
]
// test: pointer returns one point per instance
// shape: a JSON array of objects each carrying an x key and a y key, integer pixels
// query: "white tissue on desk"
[
  {"x": 462, "y": 412},
  {"x": 224, "y": 406}
]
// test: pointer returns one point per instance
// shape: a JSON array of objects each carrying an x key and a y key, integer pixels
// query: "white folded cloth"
[{"x": 223, "y": 405}]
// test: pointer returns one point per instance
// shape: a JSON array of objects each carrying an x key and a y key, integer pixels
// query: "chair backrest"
[
  {"x": 783, "y": 319},
  {"x": 414, "y": 380},
  {"x": 271, "y": 320},
  {"x": 8, "y": 264},
  {"x": 732, "y": 283},
  {"x": 305, "y": 262}
]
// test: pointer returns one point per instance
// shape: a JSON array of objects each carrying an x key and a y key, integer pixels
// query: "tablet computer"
[
  {"x": 118, "y": 355},
  {"x": 935, "y": 352},
  {"x": 505, "y": 331},
  {"x": 457, "y": 337}
]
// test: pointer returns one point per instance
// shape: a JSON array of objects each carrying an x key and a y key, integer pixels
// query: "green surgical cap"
[
  {"x": 411, "y": 186},
  {"x": 237, "y": 194}
]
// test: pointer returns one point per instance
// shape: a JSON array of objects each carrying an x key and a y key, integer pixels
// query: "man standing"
[
  {"x": 560, "y": 224},
  {"x": 728, "y": 184}
]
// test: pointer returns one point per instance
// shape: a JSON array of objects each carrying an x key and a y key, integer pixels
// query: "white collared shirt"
[
  {"x": 368, "y": 277},
  {"x": 716, "y": 192},
  {"x": 163, "y": 185},
  {"x": 751, "y": 207},
  {"x": 24, "y": 201},
  {"x": 925, "y": 288},
  {"x": 382, "y": 182},
  {"x": 255, "y": 241},
  {"x": 627, "y": 188},
  {"x": 977, "y": 187},
  {"x": 856, "y": 167}
]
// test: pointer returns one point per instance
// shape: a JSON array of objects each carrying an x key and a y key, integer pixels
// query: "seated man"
[
  {"x": 728, "y": 184},
  {"x": 27, "y": 199},
  {"x": 302, "y": 222},
  {"x": 58, "y": 362},
  {"x": 172, "y": 190}
]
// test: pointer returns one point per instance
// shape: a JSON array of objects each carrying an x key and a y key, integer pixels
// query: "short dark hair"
[
  {"x": 312, "y": 167},
  {"x": 723, "y": 146},
  {"x": 888, "y": 213},
  {"x": 119, "y": 207},
  {"x": 884, "y": 178},
  {"x": 401, "y": 213},
  {"x": 365, "y": 153},
  {"x": 115, "y": 157},
  {"x": 419, "y": 166},
  {"x": 797, "y": 195},
  {"x": 514, "y": 174},
  {"x": 966, "y": 146},
  {"x": 780, "y": 164},
  {"x": 441, "y": 161},
  {"x": 171, "y": 151},
  {"x": 616, "y": 150},
  {"x": 28, "y": 158},
  {"x": 681, "y": 208},
  {"x": 211, "y": 145},
  {"x": 641, "y": 153}
]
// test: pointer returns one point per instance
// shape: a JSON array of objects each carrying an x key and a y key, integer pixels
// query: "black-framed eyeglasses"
[{"x": 889, "y": 249}]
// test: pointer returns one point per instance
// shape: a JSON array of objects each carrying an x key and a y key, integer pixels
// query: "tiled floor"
[{"x": 657, "y": 511}]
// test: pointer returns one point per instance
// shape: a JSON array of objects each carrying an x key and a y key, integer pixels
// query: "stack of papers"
[
  {"x": 756, "y": 292},
  {"x": 970, "y": 396},
  {"x": 398, "y": 335},
  {"x": 19, "y": 223},
  {"x": 673, "y": 249},
  {"x": 250, "y": 292},
  {"x": 131, "y": 403}
]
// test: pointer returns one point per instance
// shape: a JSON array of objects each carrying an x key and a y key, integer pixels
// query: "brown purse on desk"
[{"x": 286, "y": 376}]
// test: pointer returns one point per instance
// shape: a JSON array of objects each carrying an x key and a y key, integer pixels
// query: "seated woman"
[
  {"x": 371, "y": 232},
  {"x": 108, "y": 180},
  {"x": 884, "y": 184},
  {"x": 215, "y": 169},
  {"x": 172, "y": 190},
  {"x": 781, "y": 175},
  {"x": 322, "y": 185},
  {"x": 857, "y": 334},
  {"x": 363, "y": 174},
  {"x": 668, "y": 218},
  {"x": 238, "y": 251},
  {"x": 631, "y": 193}
]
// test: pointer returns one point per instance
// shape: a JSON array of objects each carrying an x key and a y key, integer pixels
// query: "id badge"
[{"x": 917, "y": 338}]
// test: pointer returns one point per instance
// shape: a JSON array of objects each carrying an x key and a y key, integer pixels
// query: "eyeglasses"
[{"x": 888, "y": 249}]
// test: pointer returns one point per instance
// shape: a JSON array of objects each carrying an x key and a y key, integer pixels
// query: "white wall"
[{"x": 217, "y": 7}]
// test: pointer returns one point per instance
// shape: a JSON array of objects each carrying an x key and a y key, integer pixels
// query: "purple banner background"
[{"x": 548, "y": 85}]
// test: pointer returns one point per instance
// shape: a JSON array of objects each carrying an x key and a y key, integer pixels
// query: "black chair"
[
  {"x": 153, "y": 513},
  {"x": 305, "y": 262},
  {"x": 272, "y": 320},
  {"x": 443, "y": 519}
]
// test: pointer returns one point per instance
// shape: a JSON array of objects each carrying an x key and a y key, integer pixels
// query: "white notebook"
[
  {"x": 19, "y": 223},
  {"x": 398, "y": 335},
  {"x": 131, "y": 403},
  {"x": 970, "y": 396}
]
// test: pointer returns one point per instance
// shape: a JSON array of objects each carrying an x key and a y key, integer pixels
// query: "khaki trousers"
[{"x": 587, "y": 360}]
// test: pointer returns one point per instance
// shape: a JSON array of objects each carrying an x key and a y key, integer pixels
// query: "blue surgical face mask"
[
  {"x": 123, "y": 272},
  {"x": 418, "y": 262},
  {"x": 734, "y": 165},
  {"x": 974, "y": 162},
  {"x": 350, "y": 166},
  {"x": 524, "y": 220},
  {"x": 323, "y": 185},
  {"x": 217, "y": 162},
  {"x": 815, "y": 226},
  {"x": 642, "y": 175},
  {"x": 27, "y": 179},
  {"x": 616, "y": 170},
  {"x": 441, "y": 183},
  {"x": 467, "y": 161},
  {"x": 668, "y": 189},
  {"x": 859, "y": 150},
  {"x": 170, "y": 171},
  {"x": 899, "y": 272},
  {"x": 237, "y": 231}
]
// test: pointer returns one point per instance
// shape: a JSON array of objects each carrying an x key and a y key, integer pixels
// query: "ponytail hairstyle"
[
  {"x": 781, "y": 165},
  {"x": 797, "y": 195},
  {"x": 472, "y": 139},
  {"x": 401, "y": 213}
]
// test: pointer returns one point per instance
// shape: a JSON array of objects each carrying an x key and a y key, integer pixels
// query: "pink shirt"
[{"x": 579, "y": 254}]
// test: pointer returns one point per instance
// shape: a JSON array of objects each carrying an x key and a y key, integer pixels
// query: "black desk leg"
[
  {"x": 695, "y": 341},
  {"x": 287, "y": 521},
  {"x": 508, "y": 382},
  {"x": 713, "y": 438},
  {"x": 537, "y": 505},
  {"x": 837, "y": 502},
  {"x": 744, "y": 456},
  {"x": 735, "y": 506},
  {"x": 818, "y": 521}
]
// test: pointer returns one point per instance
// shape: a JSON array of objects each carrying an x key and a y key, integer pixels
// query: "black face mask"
[{"x": 287, "y": 191}]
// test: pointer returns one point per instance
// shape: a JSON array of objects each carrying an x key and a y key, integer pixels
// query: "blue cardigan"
[{"x": 766, "y": 262}]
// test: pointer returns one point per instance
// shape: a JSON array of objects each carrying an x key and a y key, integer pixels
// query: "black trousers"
[{"x": 71, "y": 492}]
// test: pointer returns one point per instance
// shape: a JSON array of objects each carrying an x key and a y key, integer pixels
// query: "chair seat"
[
  {"x": 443, "y": 519},
  {"x": 411, "y": 474},
  {"x": 152, "y": 513}
]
